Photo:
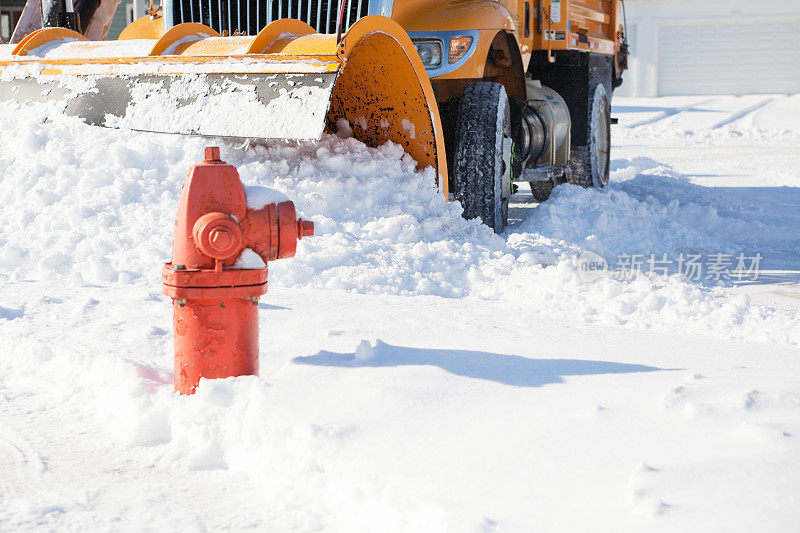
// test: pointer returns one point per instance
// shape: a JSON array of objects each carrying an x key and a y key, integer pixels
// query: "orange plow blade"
[{"x": 287, "y": 82}]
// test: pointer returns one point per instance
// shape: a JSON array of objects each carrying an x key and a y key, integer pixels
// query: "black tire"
[
  {"x": 590, "y": 164},
  {"x": 541, "y": 190},
  {"x": 483, "y": 154}
]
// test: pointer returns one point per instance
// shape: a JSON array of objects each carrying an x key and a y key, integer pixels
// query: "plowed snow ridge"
[{"x": 96, "y": 206}]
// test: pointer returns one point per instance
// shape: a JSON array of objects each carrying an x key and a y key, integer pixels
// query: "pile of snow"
[
  {"x": 99, "y": 209},
  {"x": 649, "y": 208},
  {"x": 341, "y": 433}
]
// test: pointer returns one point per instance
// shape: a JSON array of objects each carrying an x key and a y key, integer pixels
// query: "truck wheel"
[
  {"x": 590, "y": 164},
  {"x": 482, "y": 171},
  {"x": 540, "y": 190}
]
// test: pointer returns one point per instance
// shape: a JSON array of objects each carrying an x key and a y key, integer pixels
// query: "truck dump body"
[{"x": 586, "y": 25}]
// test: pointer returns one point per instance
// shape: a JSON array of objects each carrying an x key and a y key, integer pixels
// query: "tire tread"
[{"x": 474, "y": 171}]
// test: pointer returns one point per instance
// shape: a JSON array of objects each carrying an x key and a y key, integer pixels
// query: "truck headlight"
[
  {"x": 430, "y": 52},
  {"x": 459, "y": 46}
]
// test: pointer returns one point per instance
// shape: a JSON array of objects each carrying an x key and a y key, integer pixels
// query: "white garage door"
[{"x": 735, "y": 58}]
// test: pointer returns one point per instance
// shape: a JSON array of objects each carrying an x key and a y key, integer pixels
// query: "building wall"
[
  {"x": 647, "y": 19},
  {"x": 10, "y": 10},
  {"x": 122, "y": 17},
  {"x": 127, "y": 12}
]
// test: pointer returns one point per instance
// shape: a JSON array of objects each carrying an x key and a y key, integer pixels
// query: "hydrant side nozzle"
[
  {"x": 305, "y": 228},
  {"x": 291, "y": 229},
  {"x": 218, "y": 236}
]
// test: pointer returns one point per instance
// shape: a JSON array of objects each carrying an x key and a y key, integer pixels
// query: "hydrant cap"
[
  {"x": 217, "y": 235},
  {"x": 212, "y": 153}
]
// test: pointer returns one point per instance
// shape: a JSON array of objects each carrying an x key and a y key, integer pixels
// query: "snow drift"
[
  {"x": 438, "y": 428},
  {"x": 97, "y": 207}
]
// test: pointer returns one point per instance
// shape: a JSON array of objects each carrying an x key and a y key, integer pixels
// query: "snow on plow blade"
[
  {"x": 287, "y": 82},
  {"x": 247, "y": 105}
]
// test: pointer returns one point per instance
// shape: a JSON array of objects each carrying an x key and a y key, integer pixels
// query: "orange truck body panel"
[
  {"x": 586, "y": 25},
  {"x": 581, "y": 25}
]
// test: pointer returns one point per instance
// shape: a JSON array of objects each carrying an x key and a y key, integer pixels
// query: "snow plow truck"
[{"x": 488, "y": 92}]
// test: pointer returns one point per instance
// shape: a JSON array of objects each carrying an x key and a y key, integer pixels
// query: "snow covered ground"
[{"x": 498, "y": 388}]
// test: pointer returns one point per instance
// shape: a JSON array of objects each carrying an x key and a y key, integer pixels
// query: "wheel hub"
[{"x": 508, "y": 163}]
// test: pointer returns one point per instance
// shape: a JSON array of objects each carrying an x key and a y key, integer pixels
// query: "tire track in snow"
[
  {"x": 733, "y": 117},
  {"x": 22, "y": 469},
  {"x": 28, "y": 461},
  {"x": 28, "y": 497},
  {"x": 668, "y": 113}
]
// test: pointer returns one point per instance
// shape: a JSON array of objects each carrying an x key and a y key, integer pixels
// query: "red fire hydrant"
[{"x": 215, "y": 304}]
